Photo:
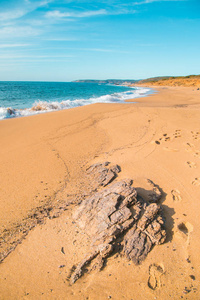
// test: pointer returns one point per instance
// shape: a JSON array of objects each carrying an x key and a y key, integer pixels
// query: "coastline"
[
  {"x": 74, "y": 95},
  {"x": 43, "y": 158}
]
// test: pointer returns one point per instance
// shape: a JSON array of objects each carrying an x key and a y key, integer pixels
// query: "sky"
[{"x": 65, "y": 40}]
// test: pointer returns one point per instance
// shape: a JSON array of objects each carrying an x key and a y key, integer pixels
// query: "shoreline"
[
  {"x": 41, "y": 107},
  {"x": 157, "y": 138}
]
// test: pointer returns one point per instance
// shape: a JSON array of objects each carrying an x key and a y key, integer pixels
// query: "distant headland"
[{"x": 189, "y": 80}]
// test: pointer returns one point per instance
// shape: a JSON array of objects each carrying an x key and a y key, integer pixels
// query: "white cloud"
[
  {"x": 151, "y": 1},
  {"x": 58, "y": 14},
  {"x": 98, "y": 50},
  {"x": 4, "y": 16},
  {"x": 103, "y": 50},
  {"x": 18, "y": 31},
  {"x": 62, "y": 39},
  {"x": 13, "y": 45},
  {"x": 90, "y": 13},
  {"x": 23, "y": 9},
  {"x": 20, "y": 56}
]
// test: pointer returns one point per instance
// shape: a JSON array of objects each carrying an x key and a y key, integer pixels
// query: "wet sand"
[{"x": 43, "y": 159}]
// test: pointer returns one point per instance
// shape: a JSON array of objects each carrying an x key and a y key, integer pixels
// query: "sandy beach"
[{"x": 43, "y": 161}]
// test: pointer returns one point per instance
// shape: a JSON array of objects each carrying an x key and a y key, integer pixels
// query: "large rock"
[{"x": 116, "y": 211}]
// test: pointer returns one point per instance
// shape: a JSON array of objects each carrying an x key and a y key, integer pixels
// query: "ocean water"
[{"x": 19, "y": 99}]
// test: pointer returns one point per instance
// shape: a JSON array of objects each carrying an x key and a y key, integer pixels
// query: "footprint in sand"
[
  {"x": 176, "y": 196},
  {"x": 161, "y": 139},
  {"x": 155, "y": 272},
  {"x": 191, "y": 148},
  {"x": 189, "y": 145},
  {"x": 184, "y": 231},
  {"x": 166, "y": 138},
  {"x": 196, "y": 181},
  {"x": 185, "y": 227},
  {"x": 191, "y": 164},
  {"x": 177, "y": 133},
  {"x": 195, "y": 135},
  {"x": 197, "y": 153}
]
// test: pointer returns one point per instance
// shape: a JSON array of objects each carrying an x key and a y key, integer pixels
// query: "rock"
[
  {"x": 156, "y": 194},
  {"x": 147, "y": 232},
  {"x": 10, "y": 111},
  {"x": 102, "y": 174},
  {"x": 116, "y": 211}
]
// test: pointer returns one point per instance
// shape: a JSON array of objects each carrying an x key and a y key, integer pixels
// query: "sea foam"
[{"x": 45, "y": 106}]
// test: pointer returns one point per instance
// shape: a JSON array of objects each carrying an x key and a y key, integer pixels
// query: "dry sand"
[{"x": 43, "y": 158}]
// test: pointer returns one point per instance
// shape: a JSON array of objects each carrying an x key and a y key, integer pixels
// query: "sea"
[{"x": 19, "y": 99}]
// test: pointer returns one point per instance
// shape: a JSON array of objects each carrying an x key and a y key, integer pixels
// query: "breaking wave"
[{"x": 45, "y": 106}]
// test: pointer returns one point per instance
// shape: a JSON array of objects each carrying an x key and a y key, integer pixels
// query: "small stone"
[
  {"x": 186, "y": 290},
  {"x": 62, "y": 250},
  {"x": 10, "y": 111}
]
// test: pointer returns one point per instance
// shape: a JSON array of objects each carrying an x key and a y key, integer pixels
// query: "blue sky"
[{"x": 64, "y": 40}]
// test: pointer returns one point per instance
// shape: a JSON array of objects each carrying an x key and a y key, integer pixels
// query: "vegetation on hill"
[{"x": 190, "y": 80}]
